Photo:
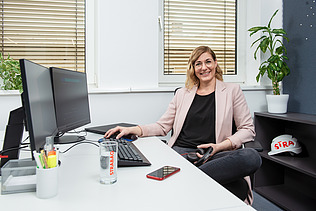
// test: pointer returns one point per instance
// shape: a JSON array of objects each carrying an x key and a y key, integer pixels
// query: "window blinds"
[
  {"x": 51, "y": 33},
  {"x": 191, "y": 23}
]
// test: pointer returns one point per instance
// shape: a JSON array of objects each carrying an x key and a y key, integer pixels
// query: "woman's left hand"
[
  {"x": 205, "y": 146},
  {"x": 225, "y": 145}
]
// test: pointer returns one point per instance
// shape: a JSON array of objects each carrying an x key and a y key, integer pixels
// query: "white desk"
[{"x": 79, "y": 187}]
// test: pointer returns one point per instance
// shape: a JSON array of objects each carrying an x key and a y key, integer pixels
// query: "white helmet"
[{"x": 285, "y": 143}]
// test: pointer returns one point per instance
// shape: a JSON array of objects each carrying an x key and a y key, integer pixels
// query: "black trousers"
[{"x": 230, "y": 167}]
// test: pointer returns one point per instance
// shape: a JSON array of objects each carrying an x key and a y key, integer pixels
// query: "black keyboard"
[{"x": 129, "y": 154}]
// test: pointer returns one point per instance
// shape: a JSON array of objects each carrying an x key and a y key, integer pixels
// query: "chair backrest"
[{"x": 176, "y": 89}]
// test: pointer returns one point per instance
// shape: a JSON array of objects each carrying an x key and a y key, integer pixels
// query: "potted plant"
[
  {"x": 10, "y": 73},
  {"x": 271, "y": 41}
]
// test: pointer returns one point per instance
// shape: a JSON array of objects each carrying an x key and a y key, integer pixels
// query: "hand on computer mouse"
[
  {"x": 123, "y": 132},
  {"x": 116, "y": 132}
]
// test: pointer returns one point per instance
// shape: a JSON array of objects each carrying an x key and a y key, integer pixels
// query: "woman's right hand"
[{"x": 123, "y": 131}]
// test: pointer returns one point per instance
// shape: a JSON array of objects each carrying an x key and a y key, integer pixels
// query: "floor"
[{"x": 262, "y": 204}]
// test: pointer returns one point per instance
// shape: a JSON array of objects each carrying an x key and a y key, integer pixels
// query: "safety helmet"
[{"x": 285, "y": 143}]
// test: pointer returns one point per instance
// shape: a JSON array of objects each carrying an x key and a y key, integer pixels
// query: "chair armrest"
[
  {"x": 164, "y": 141},
  {"x": 254, "y": 144}
]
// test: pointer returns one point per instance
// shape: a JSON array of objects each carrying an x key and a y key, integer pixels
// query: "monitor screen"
[
  {"x": 38, "y": 103},
  {"x": 71, "y": 100}
]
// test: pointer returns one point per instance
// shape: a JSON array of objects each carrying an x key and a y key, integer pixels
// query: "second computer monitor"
[
  {"x": 71, "y": 101},
  {"x": 38, "y": 103}
]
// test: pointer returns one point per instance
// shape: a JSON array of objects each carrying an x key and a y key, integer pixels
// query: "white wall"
[
  {"x": 140, "y": 108},
  {"x": 124, "y": 54}
]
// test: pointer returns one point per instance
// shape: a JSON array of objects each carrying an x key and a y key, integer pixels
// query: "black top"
[{"x": 199, "y": 125}]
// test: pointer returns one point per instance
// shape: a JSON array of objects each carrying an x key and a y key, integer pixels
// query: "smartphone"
[{"x": 163, "y": 172}]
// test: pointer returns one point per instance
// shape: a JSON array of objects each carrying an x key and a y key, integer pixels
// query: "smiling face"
[
  {"x": 202, "y": 59},
  {"x": 205, "y": 68}
]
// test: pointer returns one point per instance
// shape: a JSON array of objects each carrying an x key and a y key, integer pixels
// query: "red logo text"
[
  {"x": 283, "y": 144},
  {"x": 111, "y": 163}
]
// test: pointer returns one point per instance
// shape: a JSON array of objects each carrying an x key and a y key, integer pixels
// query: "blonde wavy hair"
[{"x": 192, "y": 79}]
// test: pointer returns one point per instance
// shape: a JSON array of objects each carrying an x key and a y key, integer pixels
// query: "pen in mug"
[
  {"x": 44, "y": 158},
  {"x": 37, "y": 159},
  {"x": 57, "y": 156}
]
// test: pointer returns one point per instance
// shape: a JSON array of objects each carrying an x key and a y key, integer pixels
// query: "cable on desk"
[
  {"x": 78, "y": 138},
  {"x": 76, "y": 144},
  {"x": 81, "y": 131},
  {"x": 92, "y": 140},
  {"x": 60, "y": 134},
  {"x": 22, "y": 142},
  {"x": 11, "y": 149}
]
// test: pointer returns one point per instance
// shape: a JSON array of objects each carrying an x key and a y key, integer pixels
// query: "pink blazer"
[{"x": 230, "y": 104}]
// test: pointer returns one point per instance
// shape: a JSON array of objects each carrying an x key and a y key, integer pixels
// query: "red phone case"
[{"x": 164, "y": 177}]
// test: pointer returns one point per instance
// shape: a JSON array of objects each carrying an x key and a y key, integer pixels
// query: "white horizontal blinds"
[
  {"x": 191, "y": 23},
  {"x": 51, "y": 33}
]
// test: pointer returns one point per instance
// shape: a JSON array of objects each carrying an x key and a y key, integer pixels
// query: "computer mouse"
[{"x": 129, "y": 137}]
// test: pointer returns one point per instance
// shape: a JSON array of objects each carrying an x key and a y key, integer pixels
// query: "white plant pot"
[{"x": 277, "y": 103}]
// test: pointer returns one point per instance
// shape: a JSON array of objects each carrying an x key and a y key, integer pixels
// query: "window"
[
  {"x": 191, "y": 23},
  {"x": 51, "y": 33}
]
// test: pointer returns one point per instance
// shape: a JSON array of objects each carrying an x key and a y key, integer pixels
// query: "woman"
[{"x": 201, "y": 115}]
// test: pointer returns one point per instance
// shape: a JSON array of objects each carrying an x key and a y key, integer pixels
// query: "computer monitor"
[
  {"x": 70, "y": 93},
  {"x": 13, "y": 136},
  {"x": 38, "y": 103}
]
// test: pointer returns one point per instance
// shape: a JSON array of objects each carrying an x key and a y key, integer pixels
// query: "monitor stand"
[{"x": 68, "y": 139}]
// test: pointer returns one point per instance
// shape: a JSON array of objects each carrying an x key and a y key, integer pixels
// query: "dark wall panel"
[{"x": 299, "y": 21}]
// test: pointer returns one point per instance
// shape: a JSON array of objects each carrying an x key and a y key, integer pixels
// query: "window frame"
[
  {"x": 178, "y": 80},
  {"x": 91, "y": 42}
]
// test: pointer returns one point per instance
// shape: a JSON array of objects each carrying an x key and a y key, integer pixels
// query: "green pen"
[
  {"x": 37, "y": 159},
  {"x": 41, "y": 159}
]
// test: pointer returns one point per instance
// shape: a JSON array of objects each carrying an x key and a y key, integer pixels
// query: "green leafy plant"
[
  {"x": 271, "y": 41},
  {"x": 10, "y": 73}
]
